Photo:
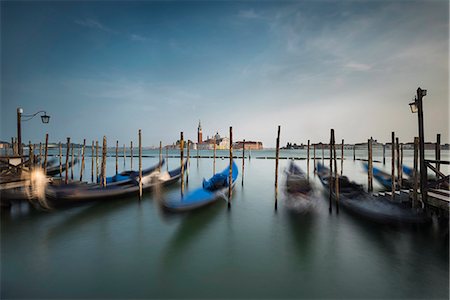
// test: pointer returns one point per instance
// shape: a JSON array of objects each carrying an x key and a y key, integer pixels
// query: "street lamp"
[
  {"x": 23, "y": 118},
  {"x": 417, "y": 107}
]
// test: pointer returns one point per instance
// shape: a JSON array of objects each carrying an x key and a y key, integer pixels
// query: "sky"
[{"x": 111, "y": 68}]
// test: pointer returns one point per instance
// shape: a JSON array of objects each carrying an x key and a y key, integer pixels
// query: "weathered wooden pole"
[
  {"x": 45, "y": 153},
  {"x": 124, "y": 155},
  {"x": 187, "y": 161},
  {"x": 243, "y": 162},
  {"x": 103, "y": 176},
  {"x": 140, "y": 164},
  {"x": 30, "y": 155},
  {"x": 83, "y": 151},
  {"x": 60, "y": 160},
  {"x": 438, "y": 151},
  {"x": 393, "y": 166},
  {"x": 214, "y": 157},
  {"x": 277, "y": 156},
  {"x": 67, "y": 161},
  {"x": 330, "y": 178},
  {"x": 72, "y": 163},
  {"x": 384, "y": 154},
  {"x": 401, "y": 164},
  {"x": 160, "y": 155},
  {"x": 336, "y": 176},
  {"x": 117, "y": 157},
  {"x": 399, "y": 178},
  {"x": 131, "y": 155},
  {"x": 370, "y": 166},
  {"x": 342, "y": 157},
  {"x": 354, "y": 152},
  {"x": 230, "y": 172},
  {"x": 423, "y": 168},
  {"x": 40, "y": 154},
  {"x": 96, "y": 161},
  {"x": 181, "y": 162},
  {"x": 167, "y": 158},
  {"x": 307, "y": 160},
  {"x": 92, "y": 162},
  {"x": 416, "y": 173},
  {"x": 314, "y": 160}
]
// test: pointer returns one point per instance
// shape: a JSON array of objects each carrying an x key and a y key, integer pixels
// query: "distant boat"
[
  {"x": 81, "y": 192},
  {"x": 298, "y": 188},
  {"x": 128, "y": 176},
  {"x": 211, "y": 190},
  {"x": 382, "y": 209},
  {"x": 385, "y": 179},
  {"x": 53, "y": 168}
]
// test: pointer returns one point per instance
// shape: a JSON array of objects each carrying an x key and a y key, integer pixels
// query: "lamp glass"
[
  {"x": 414, "y": 107},
  {"x": 45, "y": 119}
]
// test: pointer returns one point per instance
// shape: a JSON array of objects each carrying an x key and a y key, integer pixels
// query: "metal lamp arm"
[{"x": 29, "y": 117}]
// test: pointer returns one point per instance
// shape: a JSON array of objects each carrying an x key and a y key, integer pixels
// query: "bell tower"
[{"x": 199, "y": 133}]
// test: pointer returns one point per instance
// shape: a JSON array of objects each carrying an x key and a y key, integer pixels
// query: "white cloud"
[
  {"x": 94, "y": 24},
  {"x": 249, "y": 14},
  {"x": 357, "y": 66},
  {"x": 138, "y": 38}
]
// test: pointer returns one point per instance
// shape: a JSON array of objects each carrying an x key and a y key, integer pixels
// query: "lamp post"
[
  {"x": 44, "y": 118},
  {"x": 417, "y": 107}
]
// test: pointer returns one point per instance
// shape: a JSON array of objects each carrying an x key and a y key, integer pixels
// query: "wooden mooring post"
[
  {"x": 399, "y": 178},
  {"x": 277, "y": 157},
  {"x": 187, "y": 161},
  {"x": 214, "y": 157},
  {"x": 60, "y": 160},
  {"x": 124, "y": 155},
  {"x": 30, "y": 155},
  {"x": 103, "y": 172},
  {"x": 243, "y": 162},
  {"x": 323, "y": 153},
  {"x": 354, "y": 152},
  {"x": 230, "y": 170},
  {"x": 117, "y": 157},
  {"x": 330, "y": 178},
  {"x": 66, "y": 181},
  {"x": 167, "y": 158},
  {"x": 416, "y": 173},
  {"x": 401, "y": 165},
  {"x": 342, "y": 157},
  {"x": 181, "y": 163},
  {"x": 83, "y": 152},
  {"x": 438, "y": 151},
  {"x": 384, "y": 154},
  {"x": 140, "y": 164},
  {"x": 131, "y": 155},
  {"x": 370, "y": 166},
  {"x": 336, "y": 176},
  {"x": 96, "y": 161},
  {"x": 314, "y": 158},
  {"x": 45, "y": 153},
  {"x": 160, "y": 155},
  {"x": 40, "y": 154},
  {"x": 92, "y": 162},
  {"x": 307, "y": 160},
  {"x": 72, "y": 163},
  {"x": 393, "y": 166}
]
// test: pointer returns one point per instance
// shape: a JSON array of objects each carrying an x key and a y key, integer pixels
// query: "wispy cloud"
[
  {"x": 94, "y": 24},
  {"x": 358, "y": 66},
  {"x": 138, "y": 38},
  {"x": 248, "y": 14}
]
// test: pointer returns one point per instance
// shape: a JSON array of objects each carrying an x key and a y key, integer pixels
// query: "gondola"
[
  {"x": 298, "y": 189},
  {"x": 211, "y": 190},
  {"x": 381, "y": 209},
  {"x": 126, "y": 177},
  {"x": 385, "y": 179},
  {"x": 53, "y": 168},
  {"x": 78, "y": 193}
]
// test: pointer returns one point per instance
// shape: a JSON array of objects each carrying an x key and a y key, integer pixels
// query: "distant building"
[
  {"x": 249, "y": 145},
  {"x": 199, "y": 133}
]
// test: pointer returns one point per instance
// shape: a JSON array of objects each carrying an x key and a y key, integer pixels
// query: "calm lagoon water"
[{"x": 128, "y": 248}]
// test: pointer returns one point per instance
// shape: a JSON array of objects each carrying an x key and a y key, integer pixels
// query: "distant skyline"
[{"x": 111, "y": 68}]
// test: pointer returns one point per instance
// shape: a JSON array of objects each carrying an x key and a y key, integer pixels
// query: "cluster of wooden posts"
[
  {"x": 396, "y": 161},
  {"x": 396, "y": 148}
]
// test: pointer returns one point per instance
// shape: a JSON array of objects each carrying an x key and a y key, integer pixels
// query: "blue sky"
[{"x": 111, "y": 68}]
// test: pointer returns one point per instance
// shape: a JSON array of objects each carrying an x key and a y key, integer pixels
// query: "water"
[{"x": 130, "y": 249}]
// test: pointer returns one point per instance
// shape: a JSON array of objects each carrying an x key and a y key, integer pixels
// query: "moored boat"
[{"x": 211, "y": 190}]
